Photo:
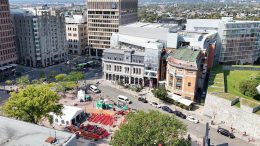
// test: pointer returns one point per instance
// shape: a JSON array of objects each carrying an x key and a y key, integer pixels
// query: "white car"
[
  {"x": 192, "y": 119},
  {"x": 154, "y": 104}
]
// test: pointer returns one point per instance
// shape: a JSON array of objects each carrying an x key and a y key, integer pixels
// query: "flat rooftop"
[
  {"x": 14, "y": 132},
  {"x": 150, "y": 25},
  {"x": 185, "y": 54}
]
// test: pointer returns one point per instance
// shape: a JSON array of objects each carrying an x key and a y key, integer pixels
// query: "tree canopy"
[
  {"x": 150, "y": 129},
  {"x": 160, "y": 93},
  {"x": 23, "y": 80},
  {"x": 248, "y": 88},
  {"x": 75, "y": 76},
  {"x": 60, "y": 77},
  {"x": 32, "y": 104}
]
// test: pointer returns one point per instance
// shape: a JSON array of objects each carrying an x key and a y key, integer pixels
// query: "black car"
[
  {"x": 180, "y": 114},
  {"x": 225, "y": 132},
  {"x": 142, "y": 99},
  {"x": 167, "y": 109}
]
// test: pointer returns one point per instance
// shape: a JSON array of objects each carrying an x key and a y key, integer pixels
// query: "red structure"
[
  {"x": 89, "y": 132},
  {"x": 102, "y": 119}
]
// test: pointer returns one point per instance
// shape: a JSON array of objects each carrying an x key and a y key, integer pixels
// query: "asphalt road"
[{"x": 194, "y": 129}]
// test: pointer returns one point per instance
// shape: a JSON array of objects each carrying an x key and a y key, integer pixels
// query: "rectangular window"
[{"x": 189, "y": 83}]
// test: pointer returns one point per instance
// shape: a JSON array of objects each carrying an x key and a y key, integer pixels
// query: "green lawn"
[
  {"x": 235, "y": 77},
  {"x": 230, "y": 79}
]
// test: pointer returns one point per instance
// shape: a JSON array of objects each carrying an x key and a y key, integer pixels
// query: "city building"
[
  {"x": 7, "y": 46},
  {"x": 205, "y": 40},
  {"x": 149, "y": 42},
  {"x": 15, "y": 132},
  {"x": 134, "y": 60},
  {"x": 184, "y": 70},
  {"x": 40, "y": 36},
  {"x": 240, "y": 41},
  {"x": 76, "y": 33},
  {"x": 166, "y": 33},
  {"x": 237, "y": 41},
  {"x": 104, "y": 18}
]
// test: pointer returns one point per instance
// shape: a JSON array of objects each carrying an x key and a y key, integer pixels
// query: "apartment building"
[
  {"x": 184, "y": 69},
  {"x": 104, "y": 18},
  {"x": 7, "y": 45},
  {"x": 240, "y": 41},
  {"x": 40, "y": 36},
  {"x": 76, "y": 33}
]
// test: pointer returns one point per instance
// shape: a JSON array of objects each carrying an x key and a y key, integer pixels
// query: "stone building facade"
[
  {"x": 40, "y": 36},
  {"x": 184, "y": 70}
]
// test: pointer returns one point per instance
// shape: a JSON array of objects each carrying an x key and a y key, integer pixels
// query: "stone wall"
[{"x": 242, "y": 119}]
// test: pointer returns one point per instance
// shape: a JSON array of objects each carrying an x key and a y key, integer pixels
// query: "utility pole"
[{"x": 206, "y": 139}]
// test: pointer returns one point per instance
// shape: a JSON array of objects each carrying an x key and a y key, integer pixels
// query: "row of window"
[
  {"x": 103, "y": 21},
  {"x": 103, "y": 29},
  {"x": 99, "y": 38},
  {"x": 103, "y": 25},
  {"x": 6, "y": 45},
  {"x": 5, "y": 26},
  {"x": 2, "y": 2},
  {"x": 6, "y": 57},
  {"x": 118, "y": 68},
  {"x": 99, "y": 42},
  {"x": 74, "y": 34}
]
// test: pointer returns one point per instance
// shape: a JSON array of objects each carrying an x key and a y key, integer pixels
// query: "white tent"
[
  {"x": 173, "y": 96},
  {"x": 81, "y": 95},
  {"x": 185, "y": 101},
  {"x": 70, "y": 115}
]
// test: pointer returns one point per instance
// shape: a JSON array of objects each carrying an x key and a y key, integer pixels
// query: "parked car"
[
  {"x": 167, "y": 109},
  {"x": 192, "y": 119},
  {"x": 124, "y": 99},
  {"x": 225, "y": 132},
  {"x": 154, "y": 104},
  {"x": 180, "y": 114},
  {"x": 94, "y": 89},
  {"x": 142, "y": 99}
]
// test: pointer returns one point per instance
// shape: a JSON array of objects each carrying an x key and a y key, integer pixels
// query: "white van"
[
  {"x": 94, "y": 89},
  {"x": 123, "y": 99}
]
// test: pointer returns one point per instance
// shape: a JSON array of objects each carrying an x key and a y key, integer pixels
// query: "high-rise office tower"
[
  {"x": 104, "y": 18},
  {"x": 7, "y": 47}
]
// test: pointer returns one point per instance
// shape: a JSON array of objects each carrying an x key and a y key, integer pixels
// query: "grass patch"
[
  {"x": 237, "y": 105},
  {"x": 258, "y": 112},
  {"x": 226, "y": 96},
  {"x": 233, "y": 79},
  {"x": 254, "y": 66},
  {"x": 249, "y": 103}
]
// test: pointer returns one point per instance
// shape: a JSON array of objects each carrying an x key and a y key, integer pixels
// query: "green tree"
[
  {"x": 75, "y": 76},
  {"x": 35, "y": 81},
  {"x": 8, "y": 82},
  {"x": 160, "y": 93},
  {"x": 23, "y": 80},
  {"x": 60, "y": 77},
  {"x": 33, "y": 104},
  {"x": 150, "y": 129},
  {"x": 248, "y": 88}
]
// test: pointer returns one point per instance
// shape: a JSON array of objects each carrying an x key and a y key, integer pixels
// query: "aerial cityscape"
[{"x": 130, "y": 72}]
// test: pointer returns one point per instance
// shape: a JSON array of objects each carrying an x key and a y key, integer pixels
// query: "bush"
[
  {"x": 248, "y": 88},
  {"x": 160, "y": 93},
  {"x": 60, "y": 77},
  {"x": 75, "y": 76},
  {"x": 68, "y": 85}
]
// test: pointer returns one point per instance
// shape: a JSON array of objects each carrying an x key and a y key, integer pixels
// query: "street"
[{"x": 194, "y": 129}]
